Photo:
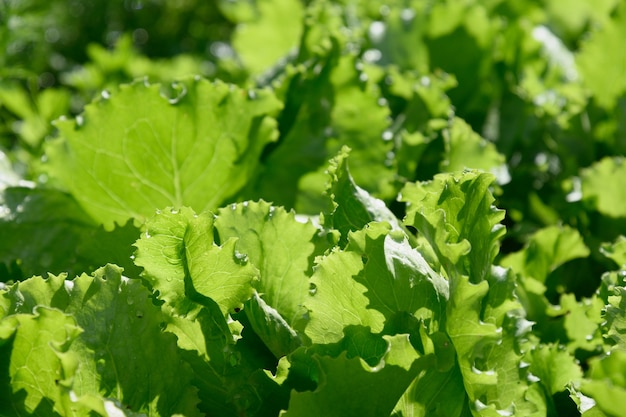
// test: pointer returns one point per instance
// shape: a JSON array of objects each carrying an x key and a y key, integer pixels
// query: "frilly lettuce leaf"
[
  {"x": 109, "y": 340},
  {"x": 283, "y": 250},
  {"x": 455, "y": 213},
  {"x": 182, "y": 262}
]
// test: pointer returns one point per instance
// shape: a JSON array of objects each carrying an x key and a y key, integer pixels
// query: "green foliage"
[{"x": 327, "y": 207}]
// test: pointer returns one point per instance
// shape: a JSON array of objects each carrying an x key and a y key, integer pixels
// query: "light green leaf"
[
  {"x": 613, "y": 295},
  {"x": 41, "y": 228},
  {"x": 607, "y": 383},
  {"x": 160, "y": 252},
  {"x": 122, "y": 331},
  {"x": 486, "y": 343},
  {"x": 546, "y": 250},
  {"x": 122, "y": 352},
  {"x": 602, "y": 186},
  {"x": 277, "y": 28},
  {"x": 603, "y": 72},
  {"x": 616, "y": 250},
  {"x": 434, "y": 394},
  {"x": 455, "y": 213},
  {"x": 48, "y": 232},
  {"x": 227, "y": 374},
  {"x": 351, "y": 206},
  {"x": 283, "y": 250},
  {"x": 465, "y": 149},
  {"x": 182, "y": 262},
  {"x": 327, "y": 98},
  {"x": 138, "y": 151},
  {"x": 348, "y": 386},
  {"x": 32, "y": 348},
  {"x": 378, "y": 275},
  {"x": 217, "y": 272},
  {"x": 555, "y": 367},
  {"x": 338, "y": 300},
  {"x": 582, "y": 321}
]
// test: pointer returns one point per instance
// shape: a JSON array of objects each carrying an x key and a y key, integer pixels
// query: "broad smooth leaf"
[{"x": 137, "y": 151}]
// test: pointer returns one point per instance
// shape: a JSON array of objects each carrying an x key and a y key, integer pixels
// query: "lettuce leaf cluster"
[{"x": 332, "y": 208}]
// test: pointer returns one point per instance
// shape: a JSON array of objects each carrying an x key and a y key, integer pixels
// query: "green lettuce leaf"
[
  {"x": 602, "y": 71},
  {"x": 182, "y": 262},
  {"x": 122, "y": 352},
  {"x": 455, "y": 213},
  {"x": 371, "y": 391},
  {"x": 602, "y": 186},
  {"x": 546, "y": 250},
  {"x": 327, "y": 95},
  {"x": 272, "y": 34},
  {"x": 137, "y": 151},
  {"x": 283, "y": 250},
  {"x": 33, "y": 347},
  {"x": 607, "y": 384},
  {"x": 48, "y": 232},
  {"x": 616, "y": 251},
  {"x": 465, "y": 149},
  {"x": 612, "y": 292},
  {"x": 555, "y": 367},
  {"x": 378, "y": 276},
  {"x": 351, "y": 206}
]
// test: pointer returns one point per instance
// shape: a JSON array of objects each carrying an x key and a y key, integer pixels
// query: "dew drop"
[
  {"x": 174, "y": 211},
  {"x": 158, "y": 211},
  {"x": 132, "y": 257},
  {"x": 105, "y": 94},
  {"x": 251, "y": 94},
  {"x": 139, "y": 314},
  {"x": 233, "y": 206},
  {"x": 245, "y": 203},
  {"x": 148, "y": 235},
  {"x": 363, "y": 77},
  {"x": 271, "y": 211},
  {"x": 382, "y": 101},
  {"x": 312, "y": 289},
  {"x": 130, "y": 301},
  {"x": 180, "y": 90},
  {"x": 387, "y": 135},
  {"x": 241, "y": 257},
  {"x": 80, "y": 120}
]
